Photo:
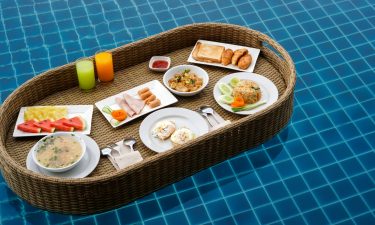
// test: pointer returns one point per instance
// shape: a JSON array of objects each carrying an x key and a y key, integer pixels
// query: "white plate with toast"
[{"x": 224, "y": 55}]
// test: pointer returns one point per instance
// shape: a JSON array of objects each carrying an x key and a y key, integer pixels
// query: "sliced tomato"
[
  {"x": 45, "y": 125},
  {"x": 29, "y": 127},
  {"x": 77, "y": 122},
  {"x": 59, "y": 125}
]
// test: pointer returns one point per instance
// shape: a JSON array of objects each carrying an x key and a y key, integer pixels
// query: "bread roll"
[
  {"x": 227, "y": 57},
  {"x": 237, "y": 55},
  {"x": 244, "y": 62}
]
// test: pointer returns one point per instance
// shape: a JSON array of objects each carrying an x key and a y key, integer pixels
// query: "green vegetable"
[
  {"x": 186, "y": 71},
  {"x": 225, "y": 89},
  {"x": 226, "y": 99},
  {"x": 234, "y": 81},
  {"x": 248, "y": 107},
  {"x": 107, "y": 109},
  {"x": 115, "y": 122}
]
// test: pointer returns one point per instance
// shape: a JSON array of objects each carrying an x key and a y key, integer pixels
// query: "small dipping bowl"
[
  {"x": 155, "y": 59},
  {"x": 60, "y": 169}
]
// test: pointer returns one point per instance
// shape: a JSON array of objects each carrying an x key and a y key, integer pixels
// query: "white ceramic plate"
[
  {"x": 182, "y": 118},
  {"x": 73, "y": 110},
  {"x": 254, "y": 52},
  {"x": 166, "y": 98},
  {"x": 88, "y": 163},
  {"x": 269, "y": 91}
]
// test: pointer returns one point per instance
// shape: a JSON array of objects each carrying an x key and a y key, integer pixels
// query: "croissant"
[{"x": 237, "y": 55}]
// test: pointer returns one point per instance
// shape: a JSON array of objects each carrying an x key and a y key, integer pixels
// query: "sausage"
[
  {"x": 150, "y": 99},
  {"x": 154, "y": 103},
  {"x": 143, "y": 90},
  {"x": 145, "y": 95}
]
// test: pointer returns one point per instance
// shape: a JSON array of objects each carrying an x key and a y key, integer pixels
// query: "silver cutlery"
[
  {"x": 129, "y": 141},
  {"x": 113, "y": 147},
  {"x": 208, "y": 119},
  {"x": 208, "y": 110}
]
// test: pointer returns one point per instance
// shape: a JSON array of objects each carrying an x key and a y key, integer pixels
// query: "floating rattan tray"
[{"x": 106, "y": 188}]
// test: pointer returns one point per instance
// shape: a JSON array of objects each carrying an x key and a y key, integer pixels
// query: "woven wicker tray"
[{"x": 106, "y": 188}]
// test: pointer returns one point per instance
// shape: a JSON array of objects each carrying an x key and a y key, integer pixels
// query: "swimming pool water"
[{"x": 320, "y": 169}]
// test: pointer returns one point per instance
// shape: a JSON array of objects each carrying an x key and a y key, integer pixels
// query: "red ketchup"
[{"x": 160, "y": 64}]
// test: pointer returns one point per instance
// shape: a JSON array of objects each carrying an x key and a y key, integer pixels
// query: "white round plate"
[
  {"x": 269, "y": 91},
  {"x": 182, "y": 117},
  {"x": 88, "y": 163}
]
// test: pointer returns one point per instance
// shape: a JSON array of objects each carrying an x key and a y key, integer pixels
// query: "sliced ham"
[
  {"x": 135, "y": 104},
  {"x": 122, "y": 103}
]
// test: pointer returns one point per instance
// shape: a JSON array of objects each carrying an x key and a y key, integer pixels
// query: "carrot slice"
[
  {"x": 119, "y": 115},
  {"x": 238, "y": 102}
]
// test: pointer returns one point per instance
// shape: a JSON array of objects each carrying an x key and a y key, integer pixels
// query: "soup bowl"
[{"x": 57, "y": 151}]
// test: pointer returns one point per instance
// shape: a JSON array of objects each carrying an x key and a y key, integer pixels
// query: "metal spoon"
[
  {"x": 208, "y": 119},
  {"x": 107, "y": 151},
  {"x": 129, "y": 141},
  {"x": 209, "y": 110}
]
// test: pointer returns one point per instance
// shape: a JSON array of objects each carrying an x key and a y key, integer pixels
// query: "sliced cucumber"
[
  {"x": 225, "y": 89},
  {"x": 234, "y": 81},
  {"x": 226, "y": 99}
]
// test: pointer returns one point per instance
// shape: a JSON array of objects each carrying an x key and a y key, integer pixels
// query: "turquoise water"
[{"x": 319, "y": 170}]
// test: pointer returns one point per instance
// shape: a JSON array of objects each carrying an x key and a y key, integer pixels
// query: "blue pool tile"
[
  {"x": 56, "y": 218},
  {"x": 197, "y": 215},
  {"x": 268, "y": 174},
  {"x": 351, "y": 166},
  {"x": 155, "y": 221},
  {"x": 336, "y": 212},
  {"x": 170, "y": 204},
  {"x": 248, "y": 181},
  {"x": 305, "y": 201},
  {"x": 333, "y": 173},
  {"x": 36, "y": 218},
  {"x": 325, "y": 195},
  {"x": 266, "y": 214},
  {"x": 367, "y": 159},
  {"x": 184, "y": 184},
  {"x": 217, "y": 209},
  {"x": 305, "y": 163},
  {"x": 359, "y": 145},
  {"x": 209, "y": 192},
  {"x": 341, "y": 151},
  {"x": 316, "y": 217},
  {"x": 323, "y": 157},
  {"x": 229, "y": 186},
  {"x": 314, "y": 179},
  {"x": 257, "y": 197},
  {"x": 129, "y": 214},
  {"x": 105, "y": 218},
  {"x": 149, "y": 209},
  {"x": 355, "y": 206},
  {"x": 240, "y": 165},
  {"x": 286, "y": 208},
  {"x": 238, "y": 203},
  {"x": 225, "y": 221},
  {"x": 176, "y": 218},
  {"x": 363, "y": 182},
  {"x": 296, "y": 185},
  {"x": 190, "y": 198},
  {"x": 14, "y": 221},
  {"x": 222, "y": 170},
  {"x": 276, "y": 191},
  {"x": 343, "y": 188},
  {"x": 286, "y": 169},
  {"x": 367, "y": 218},
  {"x": 247, "y": 217},
  {"x": 86, "y": 221},
  {"x": 295, "y": 220}
]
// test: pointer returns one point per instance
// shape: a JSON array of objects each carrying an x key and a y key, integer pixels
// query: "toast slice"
[{"x": 208, "y": 53}]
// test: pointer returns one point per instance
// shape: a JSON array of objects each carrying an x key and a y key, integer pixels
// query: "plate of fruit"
[{"x": 44, "y": 120}]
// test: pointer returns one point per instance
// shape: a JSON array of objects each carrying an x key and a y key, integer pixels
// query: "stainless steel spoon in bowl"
[{"x": 129, "y": 141}]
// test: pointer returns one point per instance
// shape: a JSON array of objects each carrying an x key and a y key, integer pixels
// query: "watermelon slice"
[
  {"x": 77, "y": 122},
  {"x": 29, "y": 127},
  {"x": 59, "y": 125},
  {"x": 45, "y": 125}
]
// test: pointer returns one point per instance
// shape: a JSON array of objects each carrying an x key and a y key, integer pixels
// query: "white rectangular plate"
[
  {"x": 166, "y": 98},
  {"x": 254, "y": 52},
  {"x": 73, "y": 110}
]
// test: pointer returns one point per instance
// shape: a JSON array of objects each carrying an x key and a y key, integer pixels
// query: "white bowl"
[
  {"x": 62, "y": 169},
  {"x": 178, "y": 69},
  {"x": 163, "y": 58}
]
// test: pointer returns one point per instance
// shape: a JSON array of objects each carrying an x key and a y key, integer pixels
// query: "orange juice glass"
[{"x": 104, "y": 66}]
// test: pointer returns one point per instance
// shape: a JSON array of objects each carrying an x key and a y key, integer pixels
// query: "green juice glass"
[{"x": 85, "y": 73}]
